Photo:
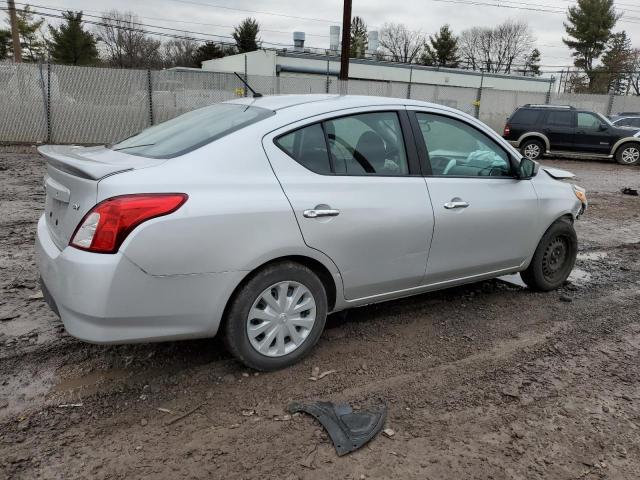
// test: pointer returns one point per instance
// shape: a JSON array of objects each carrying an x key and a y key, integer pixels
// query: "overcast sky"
[{"x": 426, "y": 16}]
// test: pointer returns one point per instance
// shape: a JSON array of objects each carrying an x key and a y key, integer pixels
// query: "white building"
[{"x": 300, "y": 63}]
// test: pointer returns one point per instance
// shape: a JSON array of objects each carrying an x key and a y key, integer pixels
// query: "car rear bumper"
[{"x": 108, "y": 299}]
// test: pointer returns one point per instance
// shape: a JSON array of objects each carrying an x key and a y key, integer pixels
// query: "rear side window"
[
  {"x": 366, "y": 144},
  {"x": 362, "y": 144},
  {"x": 525, "y": 116},
  {"x": 308, "y": 147},
  {"x": 192, "y": 130},
  {"x": 560, "y": 118}
]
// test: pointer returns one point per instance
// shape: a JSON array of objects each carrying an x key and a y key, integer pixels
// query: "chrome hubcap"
[
  {"x": 281, "y": 319},
  {"x": 630, "y": 155},
  {"x": 532, "y": 151}
]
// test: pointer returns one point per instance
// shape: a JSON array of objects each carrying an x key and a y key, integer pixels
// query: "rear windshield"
[
  {"x": 526, "y": 116},
  {"x": 192, "y": 130}
]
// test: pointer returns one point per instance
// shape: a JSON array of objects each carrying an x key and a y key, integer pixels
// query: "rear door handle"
[
  {"x": 321, "y": 212},
  {"x": 456, "y": 204}
]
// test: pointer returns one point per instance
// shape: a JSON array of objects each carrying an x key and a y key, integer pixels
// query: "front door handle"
[
  {"x": 456, "y": 204},
  {"x": 321, "y": 211}
]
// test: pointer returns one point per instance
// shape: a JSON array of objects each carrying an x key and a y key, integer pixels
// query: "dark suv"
[{"x": 565, "y": 131}]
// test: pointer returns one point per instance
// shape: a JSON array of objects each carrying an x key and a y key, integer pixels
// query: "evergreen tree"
[
  {"x": 246, "y": 35},
  {"x": 442, "y": 49},
  {"x": 5, "y": 42},
  {"x": 31, "y": 39},
  {"x": 532, "y": 63},
  {"x": 589, "y": 25},
  {"x": 209, "y": 51},
  {"x": 70, "y": 43},
  {"x": 359, "y": 38}
]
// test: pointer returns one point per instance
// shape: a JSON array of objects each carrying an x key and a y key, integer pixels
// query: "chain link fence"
[{"x": 87, "y": 105}]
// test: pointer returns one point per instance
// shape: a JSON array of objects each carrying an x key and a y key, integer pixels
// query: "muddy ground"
[{"x": 487, "y": 381}]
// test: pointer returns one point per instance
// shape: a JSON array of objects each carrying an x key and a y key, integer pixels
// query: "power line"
[
  {"x": 187, "y": 37},
  {"x": 181, "y": 31},
  {"x": 167, "y": 20},
  {"x": 256, "y": 11}
]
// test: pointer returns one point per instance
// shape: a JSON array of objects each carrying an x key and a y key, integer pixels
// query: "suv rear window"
[
  {"x": 525, "y": 116},
  {"x": 191, "y": 130}
]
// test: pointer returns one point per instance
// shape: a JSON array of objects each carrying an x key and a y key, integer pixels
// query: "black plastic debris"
[
  {"x": 630, "y": 191},
  {"x": 347, "y": 429}
]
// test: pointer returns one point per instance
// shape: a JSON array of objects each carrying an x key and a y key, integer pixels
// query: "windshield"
[{"x": 192, "y": 130}]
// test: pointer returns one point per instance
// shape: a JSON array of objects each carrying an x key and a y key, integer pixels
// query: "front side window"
[
  {"x": 191, "y": 130},
  {"x": 560, "y": 118},
  {"x": 588, "y": 121},
  {"x": 457, "y": 149},
  {"x": 362, "y": 144}
]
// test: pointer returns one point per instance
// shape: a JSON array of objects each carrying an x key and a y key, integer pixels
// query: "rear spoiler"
[{"x": 92, "y": 163}]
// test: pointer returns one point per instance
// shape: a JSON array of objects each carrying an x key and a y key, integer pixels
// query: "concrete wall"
[{"x": 260, "y": 62}]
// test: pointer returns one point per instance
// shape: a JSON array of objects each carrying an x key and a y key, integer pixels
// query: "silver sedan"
[{"x": 256, "y": 218}]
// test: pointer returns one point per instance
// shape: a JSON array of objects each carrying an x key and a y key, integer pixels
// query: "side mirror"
[
  {"x": 527, "y": 168},
  {"x": 603, "y": 127}
]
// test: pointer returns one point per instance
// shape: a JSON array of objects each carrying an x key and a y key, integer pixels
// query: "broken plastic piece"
[{"x": 348, "y": 430}]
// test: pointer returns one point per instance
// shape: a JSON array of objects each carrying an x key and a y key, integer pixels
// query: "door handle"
[
  {"x": 456, "y": 204},
  {"x": 321, "y": 212}
]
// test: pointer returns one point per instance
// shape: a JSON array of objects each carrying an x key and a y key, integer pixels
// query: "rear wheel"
[
  {"x": 276, "y": 317},
  {"x": 628, "y": 154},
  {"x": 532, "y": 149},
  {"x": 553, "y": 259}
]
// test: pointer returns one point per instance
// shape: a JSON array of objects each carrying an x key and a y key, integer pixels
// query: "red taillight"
[
  {"x": 507, "y": 130},
  {"x": 105, "y": 227}
]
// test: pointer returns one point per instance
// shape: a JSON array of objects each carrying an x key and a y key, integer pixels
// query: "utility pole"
[
  {"x": 15, "y": 34},
  {"x": 346, "y": 40}
]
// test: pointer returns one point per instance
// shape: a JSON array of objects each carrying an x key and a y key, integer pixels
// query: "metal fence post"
[
  {"x": 328, "y": 73},
  {"x": 410, "y": 80},
  {"x": 46, "y": 98},
  {"x": 48, "y": 101},
  {"x": 612, "y": 97},
  {"x": 479, "y": 96},
  {"x": 150, "y": 92},
  {"x": 547, "y": 99},
  {"x": 246, "y": 79}
]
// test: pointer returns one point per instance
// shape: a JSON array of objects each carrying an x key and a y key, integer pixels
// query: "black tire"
[
  {"x": 532, "y": 149},
  {"x": 235, "y": 333},
  {"x": 553, "y": 259},
  {"x": 628, "y": 154}
]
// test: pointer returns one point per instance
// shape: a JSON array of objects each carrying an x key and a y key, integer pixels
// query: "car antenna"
[{"x": 255, "y": 94}]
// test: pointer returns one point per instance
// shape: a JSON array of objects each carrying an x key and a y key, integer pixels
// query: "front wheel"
[
  {"x": 628, "y": 154},
  {"x": 553, "y": 259},
  {"x": 276, "y": 317}
]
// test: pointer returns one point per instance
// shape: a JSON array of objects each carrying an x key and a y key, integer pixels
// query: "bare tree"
[
  {"x": 401, "y": 44},
  {"x": 496, "y": 49},
  {"x": 125, "y": 42},
  {"x": 179, "y": 53},
  {"x": 634, "y": 72}
]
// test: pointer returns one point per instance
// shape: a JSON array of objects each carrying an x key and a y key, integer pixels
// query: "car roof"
[{"x": 329, "y": 102}]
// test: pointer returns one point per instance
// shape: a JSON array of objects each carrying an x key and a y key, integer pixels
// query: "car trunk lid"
[{"x": 71, "y": 183}]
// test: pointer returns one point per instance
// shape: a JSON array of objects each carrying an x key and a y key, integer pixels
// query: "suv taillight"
[
  {"x": 507, "y": 130},
  {"x": 105, "y": 226}
]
